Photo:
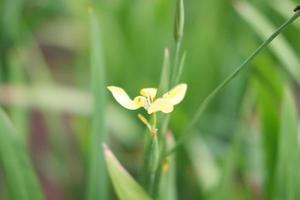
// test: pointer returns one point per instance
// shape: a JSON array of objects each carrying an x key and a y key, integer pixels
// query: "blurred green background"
[{"x": 244, "y": 147}]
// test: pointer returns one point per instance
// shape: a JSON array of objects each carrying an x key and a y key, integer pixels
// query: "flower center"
[{"x": 148, "y": 102}]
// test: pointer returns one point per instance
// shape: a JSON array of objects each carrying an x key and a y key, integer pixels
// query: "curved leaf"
[{"x": 125, "y": 186}]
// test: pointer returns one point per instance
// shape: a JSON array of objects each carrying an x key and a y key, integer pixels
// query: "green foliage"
[
  {"x": 235, "y": 135},
  {"x": 20, "y": 176},
  {"x": 97, "y": 184},
  {"x": 287, "y": 173},
  {"x": 126, "y": 187}
]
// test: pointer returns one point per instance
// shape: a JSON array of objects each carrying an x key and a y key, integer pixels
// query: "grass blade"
[
  {"x": 97, "y": 181},
  {"x": 204, "y": 164},
  {"x": 180, "y": 69},
  {"x": 269, "y": 85},
  {"x": 283, "y": 7},
  {"x": 167, "y": 184},
  {"x": 19, "y": 115},
  {"x": 165, "y": 74},
  {"x": 202, "y": 107},
  {"x": 280, "y": 48},
  {"x": 288, "y": 175},
  {"x": 20, "y": 176},
  {"x": 126, "y": 187},
  {"x": 178, "y": 35}
]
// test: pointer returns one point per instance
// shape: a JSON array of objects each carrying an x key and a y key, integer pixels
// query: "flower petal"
[
  {"x": 140, "y": 101},
  {"x": 149, "y": 92},
  {"x": 176, "y": 95},
  {"x": 123, "y": 99},
  {"x": 162, "y": 105}
]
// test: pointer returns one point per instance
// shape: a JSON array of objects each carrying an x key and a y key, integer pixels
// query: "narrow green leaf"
[
  {"x": 167, "y": 185},
  {"x": 18, "y": 171},
  {"x": 202, "y": 107},
  {"x": 178, "y": 34},
  {"x": 97, "y": 181},
  {"x": 180, "y": 68},
  {"x": 280, "y": 48},
  {"x": 17, "y": 76},
  {"x": 125, "y": 186},
  {"x": 154, "y": 153},
  {"x": 284, "y": 8},
  {"x": 179, "y": 21},
  {"x": 204, "y": 165},
  {"x": 224, "y": 189},
  {"x": 288, "y": 175},
  {"x": 165, "y": 74},
  {"x": 269, "y": 86}
]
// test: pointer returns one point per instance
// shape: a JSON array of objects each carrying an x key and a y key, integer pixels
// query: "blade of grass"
[
  {"x": 224, "y": 189},
  {"x": 200, "y": 110},
  {"x": 288, "y": 174},
  {"x": 19, "y": 114},
  {"x": 283, "y": 7},
  {"x": 180, "y": 68},
  {"x": 97, "y": 180},
  {"x": 203, "y": 162},
  {"x": 167, "y": 183},
  {"x": 178, "y": 35},
  {"x": 125, "y": 186},
  {"x": 269, "y": 86},
  {"x": 19, "y": 173},
  {"x": 281, "y": 48},
  {"x": 165, "y": 74}
]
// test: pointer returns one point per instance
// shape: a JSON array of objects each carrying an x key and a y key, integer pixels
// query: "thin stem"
[
  {"x": 154, "y": 121},
  {"x": 176, "y": 62},
  {"x": 217, "y": 90}
]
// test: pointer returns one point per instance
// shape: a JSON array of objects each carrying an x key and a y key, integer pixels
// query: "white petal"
[
  {"x": 123, "y": 99},
  {"x": 162, "y": 105},
  {"x": 176, "y": 95}
]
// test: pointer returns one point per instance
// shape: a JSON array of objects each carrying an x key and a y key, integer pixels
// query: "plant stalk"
[{"x": 217, "y": 90}]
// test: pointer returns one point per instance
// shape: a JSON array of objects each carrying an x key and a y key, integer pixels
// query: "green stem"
[
  {"x": 217, "y": 90},
  {"x": 176, "y": 62},
  {"x": 153, "y": 162}
]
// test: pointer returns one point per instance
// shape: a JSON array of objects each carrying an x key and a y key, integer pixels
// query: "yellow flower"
[{"x": 148, "y": 98}]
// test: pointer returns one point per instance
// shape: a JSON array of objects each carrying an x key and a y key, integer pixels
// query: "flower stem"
[
  {"x": 153, "y": 161},
  {"x": 176, "y": 62},
  {"x": 217, "y": 90}
]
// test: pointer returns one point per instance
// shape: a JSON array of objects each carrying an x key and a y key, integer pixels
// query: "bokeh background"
[{"x": 238, "y": 149}]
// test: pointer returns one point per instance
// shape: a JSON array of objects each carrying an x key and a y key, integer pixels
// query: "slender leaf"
[
  {"x": 288, "y": 175},
  {"x": 165, "y": 74},
  {"x": 203, "y": 162},
  {"x": 202, "y": 107},
  {"x": 17, "y": 76},
  {"x": 18, "y": 171},
  {"x": 167, "y": 185},
  {"x": 97, "y": 181},
  {"x": 125, "y": 186},
  {"x": 281, "y": 47}
]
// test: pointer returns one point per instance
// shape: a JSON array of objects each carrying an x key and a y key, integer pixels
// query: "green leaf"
[
  {"x": 167, "y": 185},
  {"x": 179, "y": 21},
  {"x": 19, "y": 174},
  {"x": 288, "y": 175},
  {"x": 97, "y": 181},
  {"x": 180, "y": 68},
  {"x": 203, "y": 163},
  {"x": 165, "y": 74},
  {"x": 202, "y": 107},
  {"x": 280, "y": 48},
  {"x": 19, "y": 115},
  {"x": 125, "y": 186},
  {"x": 269, "y": 87},
  {"x": 153, "y": 163}
]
